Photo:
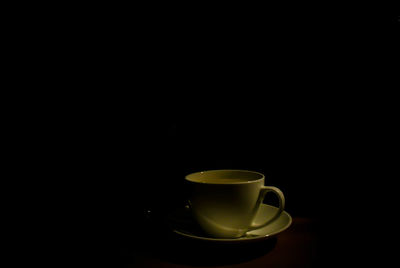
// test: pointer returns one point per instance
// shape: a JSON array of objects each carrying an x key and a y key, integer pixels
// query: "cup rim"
[{"x": 262, "y": 176}]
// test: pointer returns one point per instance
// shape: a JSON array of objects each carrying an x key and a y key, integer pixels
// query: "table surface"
[{"x": 295, "y": 247}]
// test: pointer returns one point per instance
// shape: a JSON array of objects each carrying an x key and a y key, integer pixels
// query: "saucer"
[{"x": 183, "y": 224}]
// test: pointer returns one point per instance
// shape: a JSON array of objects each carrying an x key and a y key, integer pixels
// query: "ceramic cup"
[{"x": 225, "y": 202}]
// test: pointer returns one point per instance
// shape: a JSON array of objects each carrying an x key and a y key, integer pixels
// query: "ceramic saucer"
[{"x": 183, "y": 224}]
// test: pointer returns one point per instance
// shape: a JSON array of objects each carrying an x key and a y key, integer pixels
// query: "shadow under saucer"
[
  {"x": 191, "y": 252},
  {"x": 157, "y": 244}
]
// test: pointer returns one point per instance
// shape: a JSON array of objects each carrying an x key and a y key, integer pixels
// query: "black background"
[{"x": 128, "y": 103}]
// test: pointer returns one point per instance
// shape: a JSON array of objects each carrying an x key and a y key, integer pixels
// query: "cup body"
[{"x": 225, "y": 202}]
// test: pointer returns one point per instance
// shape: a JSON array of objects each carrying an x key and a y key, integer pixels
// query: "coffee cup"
[{"x": 225, "y": 202}]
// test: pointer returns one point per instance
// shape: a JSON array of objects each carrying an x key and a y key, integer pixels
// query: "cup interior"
[{"x": 225, "y": 176}]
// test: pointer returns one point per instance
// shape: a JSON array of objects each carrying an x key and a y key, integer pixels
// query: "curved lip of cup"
[{"x": 194, "y": 177}]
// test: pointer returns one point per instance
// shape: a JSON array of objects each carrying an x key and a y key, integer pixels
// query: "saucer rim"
[{"x": 241, "y": 239}]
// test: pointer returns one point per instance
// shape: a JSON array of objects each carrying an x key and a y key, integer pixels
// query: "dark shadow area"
[
  {"x": 157, "y": 243},
  {"x": 174, "y": 249}
]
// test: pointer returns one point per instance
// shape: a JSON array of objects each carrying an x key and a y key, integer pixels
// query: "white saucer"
[{"x": 184, "y": 225}]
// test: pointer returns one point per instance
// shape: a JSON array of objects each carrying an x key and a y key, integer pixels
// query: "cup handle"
[{"x": 263, "y": 191}]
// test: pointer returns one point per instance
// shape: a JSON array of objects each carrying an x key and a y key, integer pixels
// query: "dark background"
[{"x": 128, "y": 103}]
